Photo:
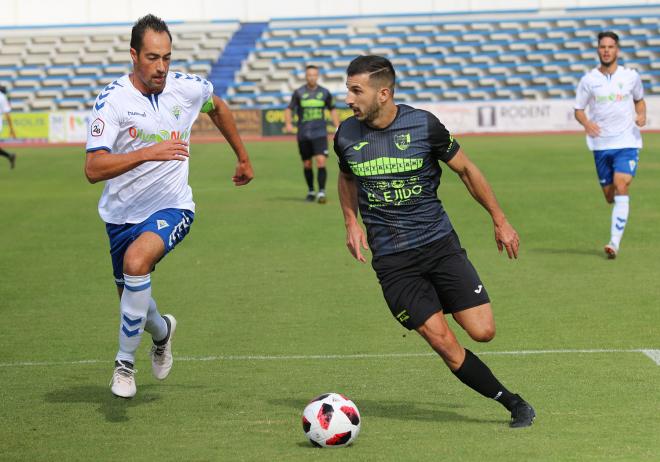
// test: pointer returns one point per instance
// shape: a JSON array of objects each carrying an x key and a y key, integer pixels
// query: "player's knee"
[
  {"x": 621, "y": 190},
  {"x": 483, "y": 334},
  {"x": 136, "y": 265}
]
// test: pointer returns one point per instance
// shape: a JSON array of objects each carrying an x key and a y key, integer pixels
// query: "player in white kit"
[
  {"x": 5, "y": 108},
  {"x": 138, "y": 142},
  {"x": 613, "y": 98}
]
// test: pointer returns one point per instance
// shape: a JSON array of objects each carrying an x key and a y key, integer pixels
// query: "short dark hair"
[
  {"x": 3, "y": 89},
  {"x": 140, "y": 27},
  {"x": 608, "y": 34},
  {"x": 378, "y": 68},
  {"x": 311, "y": 66}
]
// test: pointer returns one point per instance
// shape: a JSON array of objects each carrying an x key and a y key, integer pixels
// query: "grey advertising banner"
[{"x": 550, "y": 115}]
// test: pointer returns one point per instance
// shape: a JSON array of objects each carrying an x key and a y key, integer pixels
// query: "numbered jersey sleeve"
[
  {"x": 443, "y": 146},
  {"x": 195, "y": 89},
  {"x": 329, "y": 100},
  {"x": 103, "y": 127},
  {"x": 638, "y": 88},
  {"x": 294, "y": 104},
  {"x": 343, "y": 164},
  {"x": 4, "y": 105},
  {"x": 582, "y": 94}
]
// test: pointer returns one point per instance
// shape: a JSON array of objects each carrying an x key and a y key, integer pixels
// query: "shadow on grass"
[
  {"x": 402, "y": 410},
  {"x": 114, "y": 409},
  {"x": 557, "y": 251}
]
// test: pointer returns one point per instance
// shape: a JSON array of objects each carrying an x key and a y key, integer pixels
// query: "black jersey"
[
  {"x": 310, "y": 106},
  {"x": 398, "y": 175}
]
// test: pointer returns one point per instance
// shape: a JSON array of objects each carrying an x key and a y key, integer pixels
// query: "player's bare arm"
[
  {"x": 590, "y": 127},
  {"x": 355, "y": 236},
  {"x": 12, "y": 133},
  {"x": 640, "y": 113},
  {"x": 288, "y": 126},
  {"x": 334, "y": 115},
  {"x": 101, "y": 165},
  {"x": 223, "y": 119},
  {"x": 505, "y": 236}
]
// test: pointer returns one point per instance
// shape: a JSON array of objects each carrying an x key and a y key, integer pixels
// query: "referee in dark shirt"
[
  {"x": 310, "y": 102},
  {"x": 389, "y": 158}
]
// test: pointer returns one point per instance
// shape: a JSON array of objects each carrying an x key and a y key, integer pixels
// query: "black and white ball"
[{"x": 331, "y": 421}]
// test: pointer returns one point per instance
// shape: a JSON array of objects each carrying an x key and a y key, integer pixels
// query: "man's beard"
[{"x": 372, "y": 112}]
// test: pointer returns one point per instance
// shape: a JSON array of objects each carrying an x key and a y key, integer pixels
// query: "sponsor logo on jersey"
[
  {"x": 162, "y": 135},
  {"x": 478, "y": 289},
  {"x": 402, "y": 142},
  {"x": 141, "y": 114},
  {"x": 385, "y": 165},
  {"x": 162, "y": 224},
  {"x": 451, "y": 143},
  {"x": 394, "y": 192},
  {"x": 360, "y": 145},
  {"x": 403, "y": 316},
  {"x": 611, "y": 98},
  {"x": 97, "y": 127}
]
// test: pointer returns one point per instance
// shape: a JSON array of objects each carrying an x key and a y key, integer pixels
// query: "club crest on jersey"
[
  {"x": 176, "y": 112},
  {"x": 97, "y": 127},
  {"x": 402, "y": 142}
]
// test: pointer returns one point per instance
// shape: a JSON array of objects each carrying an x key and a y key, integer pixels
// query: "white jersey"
[
  {"x": 4, "y": 108},
  {"x": 125, "y": 120},
  {"x": 609, "y": 100}
]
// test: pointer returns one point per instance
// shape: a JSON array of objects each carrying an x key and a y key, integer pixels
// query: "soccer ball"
[{"x": 331, "y": 421}]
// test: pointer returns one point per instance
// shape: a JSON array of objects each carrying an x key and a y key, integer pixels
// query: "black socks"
[
  {"x": 309, "y": 178},
  {"x": 476, "y": 375},
  {"x": 322, "y": 177}
]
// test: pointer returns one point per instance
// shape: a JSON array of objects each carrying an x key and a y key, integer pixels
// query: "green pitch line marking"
[{"x": 654, "y": 355}]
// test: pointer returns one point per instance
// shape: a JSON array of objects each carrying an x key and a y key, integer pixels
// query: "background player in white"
[
  {"x": 613, "y": 97},
  {"x": 137, "y": 142},
  {"x": 5, "y": 108}
]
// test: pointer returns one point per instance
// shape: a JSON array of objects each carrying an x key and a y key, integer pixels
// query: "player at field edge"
[
  {"x": 138, "y": 142},
  {"x": 310, "y": 102},
  {"x": 614, "y": 98},
  {"x": 5, "y": 109},
  {"x": 389, "y": 170}
]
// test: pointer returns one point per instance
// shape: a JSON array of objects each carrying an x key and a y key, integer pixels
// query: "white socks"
[
  {"x": 134, "y": 307},
  {"x": 619, "y": 219},
  {"x": 156, "y": 324}
]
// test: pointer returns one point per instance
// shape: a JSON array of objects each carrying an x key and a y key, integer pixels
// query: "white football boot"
[
  {"x": 611, "y": 251},
  {"x": 122, "y": 383},
  {"x": 161, "y": 356}
]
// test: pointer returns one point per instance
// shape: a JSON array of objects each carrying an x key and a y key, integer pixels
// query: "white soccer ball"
[{"x": 331, "y": 421}]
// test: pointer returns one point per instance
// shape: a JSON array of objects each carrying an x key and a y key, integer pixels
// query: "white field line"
[{"x": 653, "y": 354}]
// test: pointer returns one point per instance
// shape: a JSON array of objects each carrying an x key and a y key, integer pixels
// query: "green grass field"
[{"x": 264, "y": 283}]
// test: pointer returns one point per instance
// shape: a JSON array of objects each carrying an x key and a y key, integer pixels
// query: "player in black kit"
[
  {"x": 389, "y": 160},
  {"x": 310, "y": 102}
]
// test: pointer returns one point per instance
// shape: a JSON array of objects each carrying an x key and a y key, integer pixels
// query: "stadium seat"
[{"x": 439, "y": 57}]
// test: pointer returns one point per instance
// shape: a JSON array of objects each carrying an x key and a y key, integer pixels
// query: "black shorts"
[
  {"x": 420, "y": 282},
  {"x": 313, "y": 147}
]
